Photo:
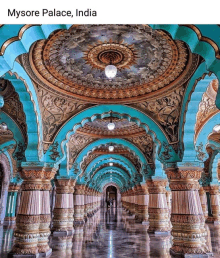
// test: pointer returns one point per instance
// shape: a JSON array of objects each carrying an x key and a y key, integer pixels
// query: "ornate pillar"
[
  {"x": 79, "y": 204},
  {"x": 215, "y": 203},
  {"x": 32, "y": 221},
  {"x": 143, "y": 201},
  {"x": 63, "y": 209},
  {"x": 203, "y": 199},
  {"x": 187, "y": 216},
  {"x": 158, "y": 210},
  {"x": 86, "y": 203},
  {"x": 11, "y": 204}
]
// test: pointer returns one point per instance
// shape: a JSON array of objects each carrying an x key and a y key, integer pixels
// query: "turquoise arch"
[
  {"x": 22, "y": 45},
  {"x": 191, "y": 111},
  {"x": 102, "y": 111},
  {"x": 117, "y": 141},
  {"x": 28, "y": 98},
  {"x": 107, "y": 176},
  {"x": 207, "y": 129},
  {"x": 98, "y": 167},
  {"x": 178, "y": 32},
  {"x": 114, "y": 180},
  {"x": 104, "y": 171},
  {"x": 13, "y": 127},
  {"x": 103, "y": 159}
]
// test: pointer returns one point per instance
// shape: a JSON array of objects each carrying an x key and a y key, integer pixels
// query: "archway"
[{"x": 111, "y": 196}]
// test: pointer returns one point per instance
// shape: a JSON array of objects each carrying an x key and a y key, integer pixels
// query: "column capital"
[
  {"x": 212, "y": 189},
  {"x": 184, "y": 178},
  {"x": 36, "y": 177},
  {"x": 156, "y": 185},
  {"x": 80, "y": 189},
  {"x": 14, "y": 187}
]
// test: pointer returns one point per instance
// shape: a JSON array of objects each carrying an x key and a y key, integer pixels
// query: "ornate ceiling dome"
[
  {"x": 148, "y": 62},
  {"x": 123, "y": 128}
]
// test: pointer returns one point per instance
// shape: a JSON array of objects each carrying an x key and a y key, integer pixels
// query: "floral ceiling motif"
[
  {"x": 76, "y": 144},
  {"x": 55, "y": 112},
  {"x": 14, "y": 108},
  {"x": 207, "y": 107},
  {"x": 69, "y": 62}
]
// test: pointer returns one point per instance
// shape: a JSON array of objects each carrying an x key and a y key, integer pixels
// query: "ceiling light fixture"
[
  {"x": 110, "y": 148},
  {"x": 3, "y": 126},
  {"x": 111, "y": 164},
  {"x": 110, "y": 71},
  {"x": 216, "y": 128},
  {"x": 111, "y": 125}
]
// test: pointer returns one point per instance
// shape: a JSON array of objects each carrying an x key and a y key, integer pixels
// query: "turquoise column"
[{"x": 11, "y": 204}]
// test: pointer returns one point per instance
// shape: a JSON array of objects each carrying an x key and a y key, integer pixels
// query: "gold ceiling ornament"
[
  {"x": 104, "y": 53},
  {"x": 149, "y": 63}
]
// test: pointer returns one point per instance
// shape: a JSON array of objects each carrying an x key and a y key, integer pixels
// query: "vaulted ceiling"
[{"x": 66, "y": 70}]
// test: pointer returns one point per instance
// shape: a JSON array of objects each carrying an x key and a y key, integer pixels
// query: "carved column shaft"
[
  {"x": 215, "y": 203},
  {"x": 187, "y": 215},
  {"x": 33, "y": 218},
  {"x": 158, "y": 210},
  {"x": 64, "y": 208},
  {"x": 203, "y": 199},
  {"x": 142, "y": 203},
  {"x": 79, "y": 203}
]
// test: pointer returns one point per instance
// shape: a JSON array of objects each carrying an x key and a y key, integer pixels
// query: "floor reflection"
[{"x": 112, "y": 234}]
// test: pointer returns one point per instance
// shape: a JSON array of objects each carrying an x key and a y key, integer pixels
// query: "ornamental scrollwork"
[
  {"x": 55, "y": 154},
  {"x": 199, "y": 152}
]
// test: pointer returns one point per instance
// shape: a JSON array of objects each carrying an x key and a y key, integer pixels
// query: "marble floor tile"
[{"x": 110, "y": 234}]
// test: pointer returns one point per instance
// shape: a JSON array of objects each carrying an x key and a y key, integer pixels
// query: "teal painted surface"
[
  {"x": 1, "y": 101},
  {"x": 117, "y": 159},
  {"x": 28, "y": 98},
  {"x": 102, "y": 111},
  {"x": 189, "y": 127},
  {"x": 11, "y": 204},
  {"x": 117, "y": 141}
]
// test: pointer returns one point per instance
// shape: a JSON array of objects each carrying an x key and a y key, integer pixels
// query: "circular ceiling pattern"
[
  {"x": 72, "y": 61},
  {"x": 122, "y": 128}
]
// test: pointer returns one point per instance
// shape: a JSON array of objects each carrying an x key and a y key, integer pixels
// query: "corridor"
[{"x": 110, "y": 234}]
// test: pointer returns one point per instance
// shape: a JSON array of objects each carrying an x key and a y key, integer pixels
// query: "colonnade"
[
  {"x": 177, "y": 204},
  {"x": 179, "y": 207},
  {"x": 34, "y": 222}
]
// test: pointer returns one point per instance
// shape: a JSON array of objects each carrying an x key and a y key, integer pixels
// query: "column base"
[
  {"x": 39, "y": 255},
  {"x": 63, "y": 233},
  {"x": 13, "y": 255},
  {"x": 180, "y": 255}
]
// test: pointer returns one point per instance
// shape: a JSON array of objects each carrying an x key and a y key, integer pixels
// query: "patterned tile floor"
[{"x": 109, "y": 234}]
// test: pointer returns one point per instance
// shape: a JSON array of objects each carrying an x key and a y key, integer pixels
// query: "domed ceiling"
[
  {"x": 149, "y": 62},
  {"x": 122, "y": 128}
]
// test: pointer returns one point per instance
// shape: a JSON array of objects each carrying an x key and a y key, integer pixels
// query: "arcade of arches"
[{"x": 81, "y": 153}]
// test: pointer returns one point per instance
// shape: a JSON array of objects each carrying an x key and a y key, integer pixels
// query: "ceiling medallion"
[
  {"x": 118, "y": 54},
  {"x": 148, "y": 62}
]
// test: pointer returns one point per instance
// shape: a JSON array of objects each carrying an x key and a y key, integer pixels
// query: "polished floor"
[{"x": 109, "y": 234}]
